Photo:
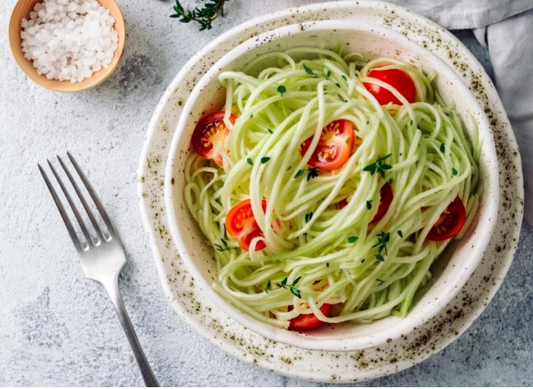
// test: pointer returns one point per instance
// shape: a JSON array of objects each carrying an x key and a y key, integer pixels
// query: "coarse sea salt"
[{"x": 69, "y": 39}]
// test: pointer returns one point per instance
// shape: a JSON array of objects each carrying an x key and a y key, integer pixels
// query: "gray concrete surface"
[{"x": 56, "y": 328}]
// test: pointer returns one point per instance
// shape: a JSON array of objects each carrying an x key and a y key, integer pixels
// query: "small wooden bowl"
[{"x": 22, "y": 10}]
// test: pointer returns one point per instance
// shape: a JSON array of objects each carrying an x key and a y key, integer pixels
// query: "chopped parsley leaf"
[
  {"x": 296, "y": 292},
  {"x": 379, "y": 166},
  {"x": 312, "y": 173},
  {"x": 308, "y": 70}
]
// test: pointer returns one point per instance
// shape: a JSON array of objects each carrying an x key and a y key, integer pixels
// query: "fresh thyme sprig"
[
  {"x": 379, "y": 166},
  {"x": 292, "y": 287},
  {"x": 223, "y": 247},
  {"x": 308, "y": 70},
  {"x": 383, "y": 239},
  {"x": 204, "y": 15},
  {"x": 269, "y": 286},
  {"x": 312, "y": 173}
]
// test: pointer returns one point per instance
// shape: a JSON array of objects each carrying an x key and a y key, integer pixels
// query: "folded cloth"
[
  {"x": 505, "y": 28},
  {"x": 511, "y": 54},
  {"x": 466, "y": 14}
]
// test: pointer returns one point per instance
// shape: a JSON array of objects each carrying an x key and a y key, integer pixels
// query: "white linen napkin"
[
  {"x": 510, "y": 48},
  {"x": 505, "y": 28}
]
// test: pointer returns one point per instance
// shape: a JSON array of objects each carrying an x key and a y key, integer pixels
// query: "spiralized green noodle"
[{"x": 330, "y": 254}]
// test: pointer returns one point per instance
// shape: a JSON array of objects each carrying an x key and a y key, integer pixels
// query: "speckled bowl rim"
[
  {"x": 181, "y": 290},
  {"x": 447, "y": 290}
]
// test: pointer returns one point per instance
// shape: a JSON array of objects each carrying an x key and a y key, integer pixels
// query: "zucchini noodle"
[{"x": 330, "y": 254}]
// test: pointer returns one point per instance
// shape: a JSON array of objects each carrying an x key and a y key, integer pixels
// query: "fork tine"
[
  {"x": 72, "y": 205},
  {"x": 94, "y": 196},
  {"x": 82, "y": 199},
  {"x": 61, "y": 209}
]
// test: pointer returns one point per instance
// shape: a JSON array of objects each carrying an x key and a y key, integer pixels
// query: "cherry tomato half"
[
  {"x": 241, "y": 224},
  {"x": 209, "y": 136},
  {"x": 450, "y": 222},
  {"x": 309, "y": 320},
  {"x": 343, "y": 203},
  {"x": 386, "y": 197},
  {"x": 334, "y": 147},
  {"x": 396, "y": 78}
]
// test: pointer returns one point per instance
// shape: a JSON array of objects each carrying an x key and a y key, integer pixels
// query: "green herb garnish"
[
  {"x": 296, "y": 292},
  {"x": 281, "y": 90},
  {"x": 400, "y": 234},
  {"x": 379, "y": 166},
  {"x": 299, "y": 173},
  {"x": 369, "y": 204},
  {"x": 312, "y": 173},
  {"x": 292, "y": 287},
  {"x": 269, "y": 130},
  {"x": 203, "y": 15},
  {"x": 250, "y": 162},
  {"x": 265, "y": 159},
  {"x": 352, "y": 239},
  {"x": 308, "y": 216},
  {"x": 223, "y": 247},
  {"x": 308, "y": 70},
  {"x": 442, "y": 148},
  {"x": 383, "y": 239},
  {"x": 454, "y": 171}
]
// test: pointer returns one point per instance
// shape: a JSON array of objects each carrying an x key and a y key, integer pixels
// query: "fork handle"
[{"x": 146, "y": 371}]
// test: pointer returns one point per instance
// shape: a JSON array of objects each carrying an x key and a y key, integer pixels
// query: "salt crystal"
[{"x": 69, "y": 39}]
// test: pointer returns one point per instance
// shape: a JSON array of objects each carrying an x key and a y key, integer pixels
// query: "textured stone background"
[{"x": 57, "y": 328}]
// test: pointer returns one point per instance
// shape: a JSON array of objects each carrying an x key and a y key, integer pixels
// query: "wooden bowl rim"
[{"x": 26, "y": 66}]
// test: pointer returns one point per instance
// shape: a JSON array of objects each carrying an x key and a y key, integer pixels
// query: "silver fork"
[{"x": 102, "y": 257}]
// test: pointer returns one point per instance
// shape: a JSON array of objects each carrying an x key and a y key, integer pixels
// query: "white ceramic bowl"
[{"x": 450, "y": 271}]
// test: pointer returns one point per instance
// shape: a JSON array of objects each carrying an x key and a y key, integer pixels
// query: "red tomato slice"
[
  {"x": 209, "y": 136},
  {"x": 450, "y": 222},
  {"x": 343, "y": 203},
  {"x": 386, "y": 197},
  {"x": 334, "y": 147},
  {"x": 309, "y": 320},
  {"x": 397, "y": 79},
  {"x": 241, "y": 224}
]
